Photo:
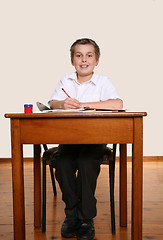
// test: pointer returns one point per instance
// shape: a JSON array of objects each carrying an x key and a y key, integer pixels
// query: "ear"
[
  {"x": 97, "y": 62},
  {"x": 72, "y": 62}
]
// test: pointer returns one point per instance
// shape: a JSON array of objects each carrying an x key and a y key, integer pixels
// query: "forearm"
[
  {"x": 55, "y": 104},
  {"x": 68, "y": 103},
  {"x": 115, "y": 104}
]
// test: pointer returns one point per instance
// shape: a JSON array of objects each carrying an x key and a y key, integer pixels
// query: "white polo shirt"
[{"x": 98, "y": 88}]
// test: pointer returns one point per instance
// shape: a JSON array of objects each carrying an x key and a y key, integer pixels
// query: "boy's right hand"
[{"x": 71, "y": 103}]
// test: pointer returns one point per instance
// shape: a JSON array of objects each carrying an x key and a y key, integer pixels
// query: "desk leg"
[
  {"x": 123, "y": 185},
  {"x": 37, "y": 186},
  {"x": 137, "y": 179},
  {"x": 18, "y": 181}
]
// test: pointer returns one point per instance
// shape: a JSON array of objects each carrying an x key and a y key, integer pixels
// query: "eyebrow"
[{"x": 81, "y": 52}]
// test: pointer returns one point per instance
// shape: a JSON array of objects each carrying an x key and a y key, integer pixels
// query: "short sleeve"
[{"x": 108, "y": 90}]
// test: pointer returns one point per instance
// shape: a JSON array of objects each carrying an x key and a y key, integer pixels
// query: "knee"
[
  {"x": 89, "y": 165},
  {"x": 62, "y": 163}
]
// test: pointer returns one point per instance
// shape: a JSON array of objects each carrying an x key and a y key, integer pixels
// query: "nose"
[{"x": 84, "y": 59}]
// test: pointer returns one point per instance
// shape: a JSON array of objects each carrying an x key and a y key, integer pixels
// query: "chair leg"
[
  {"x": 45, "y": 147},
  {"x": 44, "y": 197},
  {"x": 51, "y": 173},
  {"x": 111, "y": 180},
  {"x": 53, "y": 180}
]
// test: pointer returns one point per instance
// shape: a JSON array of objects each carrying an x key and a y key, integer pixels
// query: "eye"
[
  {"x": 89, "y": 55},
  {"x": 78, "y": 55}
]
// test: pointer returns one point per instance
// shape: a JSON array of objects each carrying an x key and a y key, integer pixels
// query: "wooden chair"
[{"x": 108, "y": 159}]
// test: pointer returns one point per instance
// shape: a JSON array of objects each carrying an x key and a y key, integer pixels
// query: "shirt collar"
[{"x": 93, "y": 79}]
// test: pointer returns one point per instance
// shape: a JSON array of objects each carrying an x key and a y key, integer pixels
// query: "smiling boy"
[
  {"x": 78, "y": 166},
  {"x": 85, "y": 57}
]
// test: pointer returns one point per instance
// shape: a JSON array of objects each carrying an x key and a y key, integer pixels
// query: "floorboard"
[{"x": 152, "y": 205}]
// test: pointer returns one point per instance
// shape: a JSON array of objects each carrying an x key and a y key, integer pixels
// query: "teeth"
[{"x": 84, "y": 66}]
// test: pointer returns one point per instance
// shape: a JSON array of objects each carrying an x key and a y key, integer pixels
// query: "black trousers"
[{"x": 77, "y": 169}]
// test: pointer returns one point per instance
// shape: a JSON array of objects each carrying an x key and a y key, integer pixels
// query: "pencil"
[{"x": 65, "y": 92}]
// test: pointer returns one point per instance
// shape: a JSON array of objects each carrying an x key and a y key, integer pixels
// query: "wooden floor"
[{"x": 152, "y": 207}]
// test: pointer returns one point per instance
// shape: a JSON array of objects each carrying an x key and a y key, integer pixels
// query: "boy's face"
[{"x": 84, "y": 59}]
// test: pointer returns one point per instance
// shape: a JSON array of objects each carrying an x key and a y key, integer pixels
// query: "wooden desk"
[{"x": 77, "y": 128}]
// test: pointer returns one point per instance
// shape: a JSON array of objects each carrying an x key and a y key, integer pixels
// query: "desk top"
[{"x": 87, "y": 114}]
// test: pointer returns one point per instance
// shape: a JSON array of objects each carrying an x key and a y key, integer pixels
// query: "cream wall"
[{"x": 35, "y": 37}]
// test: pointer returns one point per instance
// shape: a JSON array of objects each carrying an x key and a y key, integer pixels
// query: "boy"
[{"x": 78, "y": 166}]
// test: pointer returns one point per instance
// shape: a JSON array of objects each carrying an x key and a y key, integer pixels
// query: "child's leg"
[
  {"x": 89, "y": 162},
  {"x": 65, "y": 165}
]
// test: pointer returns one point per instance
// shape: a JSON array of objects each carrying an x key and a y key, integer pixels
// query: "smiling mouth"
[{"x": 84, "y": 66}]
